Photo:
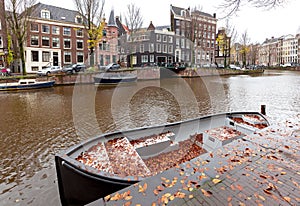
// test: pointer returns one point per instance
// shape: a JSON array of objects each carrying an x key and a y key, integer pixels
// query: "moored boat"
[
  {"x": 110, "y": 162},
  {"x": 25, "y": 84},
  {"x": 114, "y": 78}
]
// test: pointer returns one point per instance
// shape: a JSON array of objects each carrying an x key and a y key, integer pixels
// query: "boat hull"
[
  {"x": 13, "y": 87},
  {"x": 114, "y": 78},
  {"x": 80, "y": 184}
]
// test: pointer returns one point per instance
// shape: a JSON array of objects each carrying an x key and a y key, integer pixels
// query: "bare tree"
[
  {"x": 133, "y": 18},
  {"x": 92, "y": 13},
  {"x": 232, "y": 6},
  {"x": 17, "y": 19},
  {"x": 244, "y": 41}
]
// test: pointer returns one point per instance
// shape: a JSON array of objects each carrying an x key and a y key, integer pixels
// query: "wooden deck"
[{"x": 260, "y": 169}]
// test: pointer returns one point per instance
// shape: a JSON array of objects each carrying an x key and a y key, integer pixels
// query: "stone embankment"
[{"x": 142, "y": 74}]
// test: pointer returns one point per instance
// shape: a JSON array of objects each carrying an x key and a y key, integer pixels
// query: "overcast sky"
[{"x": 259, "y": 23}]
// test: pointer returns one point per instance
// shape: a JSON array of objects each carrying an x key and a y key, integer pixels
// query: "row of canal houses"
[{"x": 57, "y": 37}]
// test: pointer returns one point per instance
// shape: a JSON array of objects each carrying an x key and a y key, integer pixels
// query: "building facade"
[
  {"x": 107, "y": 49},
  {"x": 3, "y": 36},
  {"x": 223, "y": 50},
  {"x": 55, "y": 36},
  {"x": 200, "y": 29}
]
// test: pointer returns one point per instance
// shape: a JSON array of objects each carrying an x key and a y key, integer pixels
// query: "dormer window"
[
  {"x": 183, "y": 13},
  {"x": 45, "y": 14},
  {"x": 78, "y": 19}
]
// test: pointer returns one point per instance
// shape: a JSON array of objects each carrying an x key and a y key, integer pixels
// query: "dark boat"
[
  {"x": 176, "y": 67},
  {"x": 25, "y": 84},
  {"x": 113, "y": 161},
  {"x": 114, "y": 78}
]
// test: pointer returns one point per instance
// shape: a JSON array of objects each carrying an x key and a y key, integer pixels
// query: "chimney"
[{"x": 214, "y": 15}]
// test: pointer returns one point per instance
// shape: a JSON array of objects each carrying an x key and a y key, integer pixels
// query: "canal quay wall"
[{"x": 142, "y": 74}]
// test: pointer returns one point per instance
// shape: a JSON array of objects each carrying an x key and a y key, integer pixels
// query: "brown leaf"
[
  {"x": 143, "y": 188},
  {"x": 156, "y": 192},
  {"x": 240, "y": 187},
  {"x": 107, "y": 198},
  {"x": 211, "y": 154},
  {"x": 179, "y": 194},
  {"x": 229, "y": 199},
  {"x": 288, "y": 199},
  {"x": 206, "y": 193},
  {"x": 127, "y": 204},
  {"x": 267, "y": 192},
  {"x": 128, "y": 198},
  {"x": 232, "y": 187}
]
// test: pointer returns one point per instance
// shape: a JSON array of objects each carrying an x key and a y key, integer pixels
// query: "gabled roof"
[
  {"x": 111, "y": 20},
  {"x": 202, "y": 13},
  {"x": 56, "y": 13},
  {"x": 151, "y": 27},
  {"x": 177, "y": 10}
]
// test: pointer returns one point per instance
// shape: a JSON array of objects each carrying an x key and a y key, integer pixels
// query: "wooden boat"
[
  {"x": 25, "y": 84},
  {"x": 114, "y": 78},
  {"x": 113, "y": 161}
]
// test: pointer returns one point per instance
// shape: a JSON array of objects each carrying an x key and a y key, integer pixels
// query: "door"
[{"x": 55, "y": 58}]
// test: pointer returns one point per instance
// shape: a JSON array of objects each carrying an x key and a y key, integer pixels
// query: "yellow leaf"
[
  {"x": 288, "y": 199},
  {"x": 216, "y": 181}
]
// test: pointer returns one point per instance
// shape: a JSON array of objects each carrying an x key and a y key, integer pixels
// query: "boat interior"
[{"x": 145, "y": 152}]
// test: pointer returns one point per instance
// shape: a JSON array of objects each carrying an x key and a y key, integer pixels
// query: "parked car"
[
  {"x": 49, "y": 70},
  {"x": 112, "y": 66},
  {"x": 71, "y": 69},
  {"x": 234, "y": 67},
  {"x": 4, "y": 71},
  {"x": 287, "y": 65}
]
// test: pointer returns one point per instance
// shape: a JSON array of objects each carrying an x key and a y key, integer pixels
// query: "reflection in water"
[{"x": 35, "y": 125}]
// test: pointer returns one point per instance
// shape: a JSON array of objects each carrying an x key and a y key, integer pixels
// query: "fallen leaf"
[
  {"x": 261, "y": 197},
  {"x": 107, "y": 198},
  {"x": 128, "y": 198},
  {"x": 143, "y": 188},
  {"x": 216, "y": 181},
  {"x": 191, "y": 196},
  {"x": 240, "y": 187},
  {"x": 127, "y": 204},
  {"x": 288, "y": 199},
  {"x": 229, "y": 199},
  {"x": 206, "y": 193}
]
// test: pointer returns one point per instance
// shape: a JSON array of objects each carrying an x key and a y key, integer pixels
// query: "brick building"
[
  {"x": 3, "y": 35},
  {"x": 56, "y": 37},
  {"x": 200, "y": 29},
  {"x": 107, "y": 48}
]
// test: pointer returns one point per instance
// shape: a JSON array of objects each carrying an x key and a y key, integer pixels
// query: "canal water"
[{"x": 37, "y": 124}]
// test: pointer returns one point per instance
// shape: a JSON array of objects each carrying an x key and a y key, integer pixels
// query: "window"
[
  {"x": 1, "y": 42},
  {"x": 34, "y": 27},
  {"x": 142, "y": 48},
  {"x": 165, "y": 48},
  {"x": 182, "y": 44},
  {"x": 45, "y": 56},
  {"x": 46, "y": 29},
  {"x": 151, "y": 58},
  {"x": 144, "y": 58},
  {"x": 164, "y": 38},
  {"x": 158, "y": 37},
  {"x": 151, "y": 47},
  {"x": 78, "y": 19},
  {"x": 67, "y": 31},
  {"x": 34, "y": 40},
  {"x": 177, "y": 22},
  {"x": 170, "y": 39},
  {"x": 34, "y": 68},
  {"x": 67, "y": 43},
  {"x": 45, "y": 14},
  {"x": 79, "y": 57},
  {"x": 79, "y": 33},
  {"x": 170, "y": 50},
  {"x": 79, "y": 44},
  {"x": 45, "y": 41},
  {"x": 177, "y": 32},
  {"x": 34, "y": 56},
  {"x": 158, "y": 48},
  {"x": 67, "y": 56},
  {"x": 177, "y": 43},
  {"x": 55, "y": 30},
  {"x": 55, "y": 42}
]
